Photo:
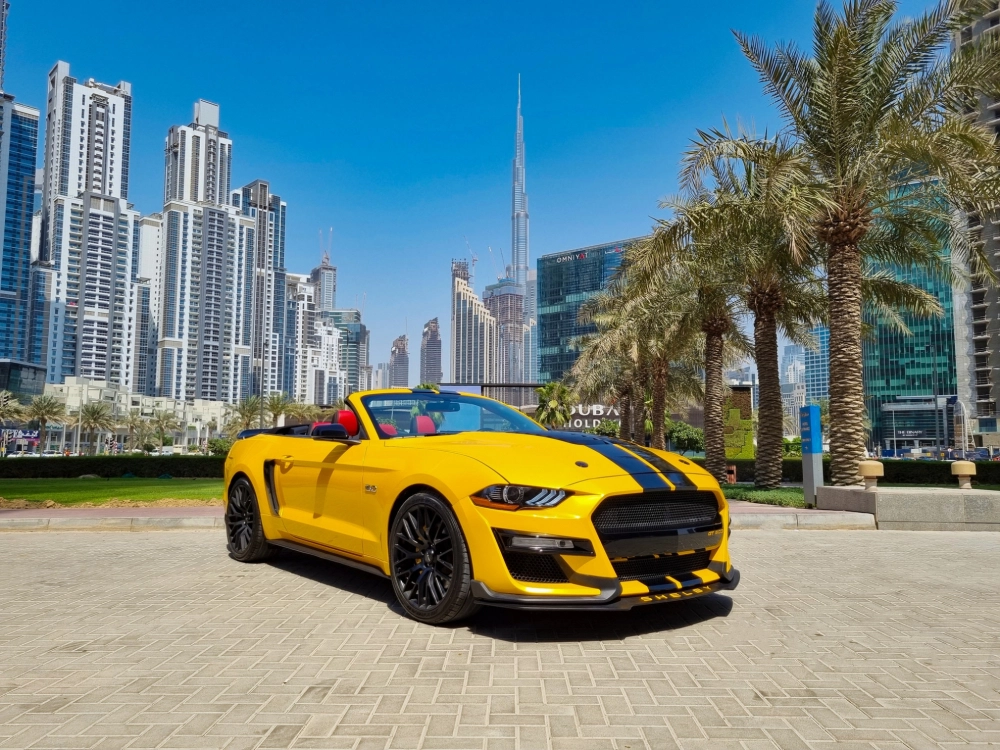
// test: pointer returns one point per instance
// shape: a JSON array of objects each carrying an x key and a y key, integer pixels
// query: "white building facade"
[{"x": 474, "y": 339}]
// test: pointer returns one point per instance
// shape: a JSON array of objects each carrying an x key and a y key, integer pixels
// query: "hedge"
[
  {"x": 70, "y": 467},
  {"x": 896, "y": 472}
]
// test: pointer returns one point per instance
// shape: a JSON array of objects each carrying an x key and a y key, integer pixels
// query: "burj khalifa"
[{"x": 519, "y": 214}]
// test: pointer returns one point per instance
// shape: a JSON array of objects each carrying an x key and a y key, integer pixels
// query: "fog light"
[{"x": 534, "y": 542}]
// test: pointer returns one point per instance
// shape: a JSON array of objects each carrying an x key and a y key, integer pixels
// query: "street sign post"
[{"x": 812, "y": 452}]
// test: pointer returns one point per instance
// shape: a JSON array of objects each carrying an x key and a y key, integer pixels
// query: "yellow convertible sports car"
[{"x": 462, "y": 501}]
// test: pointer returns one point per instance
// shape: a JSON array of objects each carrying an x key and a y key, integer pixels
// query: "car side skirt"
[{"x": 305, "y": 549}]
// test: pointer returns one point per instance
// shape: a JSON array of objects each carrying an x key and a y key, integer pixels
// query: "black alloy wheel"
[
  {"x": 431, "y": 573},
  {"x": 245, "y": 538}
]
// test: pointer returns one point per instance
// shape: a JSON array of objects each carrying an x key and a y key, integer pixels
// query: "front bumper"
[{"x": 609, "y": 599}]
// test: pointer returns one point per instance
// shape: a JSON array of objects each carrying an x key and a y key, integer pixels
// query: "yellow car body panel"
[{"x": 338, "y": 498}]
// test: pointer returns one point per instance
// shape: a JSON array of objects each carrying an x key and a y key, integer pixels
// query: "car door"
[{"x": 320, "y": 491}]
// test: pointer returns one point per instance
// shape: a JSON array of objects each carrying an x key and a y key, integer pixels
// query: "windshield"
[{"x": 413, "y": 414}]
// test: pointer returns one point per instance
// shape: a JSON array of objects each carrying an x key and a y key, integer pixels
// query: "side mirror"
[{"x": 335, "y": 432}]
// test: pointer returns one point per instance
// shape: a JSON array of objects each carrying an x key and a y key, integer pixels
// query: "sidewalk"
[{"x": 745, "y": 516}]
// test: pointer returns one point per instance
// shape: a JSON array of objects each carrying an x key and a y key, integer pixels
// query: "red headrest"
[
  {"x": 423, "y": 425},
  {"x": 349, "y": 420},
  {"x": 388, "y": 429}
]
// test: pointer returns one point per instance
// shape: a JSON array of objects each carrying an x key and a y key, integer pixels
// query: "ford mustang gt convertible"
[{"x": 461, "y": 501}]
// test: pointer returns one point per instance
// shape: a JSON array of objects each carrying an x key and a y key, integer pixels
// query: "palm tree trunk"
[
  {"x": 41, "y": 435},
  {"x": 847, "y": 400},
  {"x": 715, "y": 444},
  {"x": 625, "y": 414},
  {"x": 661, "y": 372},
  {"x": 770, "y": 417}
]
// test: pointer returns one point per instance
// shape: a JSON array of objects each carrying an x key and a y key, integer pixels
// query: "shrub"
[
  {"x": 219, "y": 446},
  {"x": 69, "y": 467}
]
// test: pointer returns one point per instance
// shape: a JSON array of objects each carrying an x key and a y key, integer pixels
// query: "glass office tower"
[{"x": 565, "y": 281}]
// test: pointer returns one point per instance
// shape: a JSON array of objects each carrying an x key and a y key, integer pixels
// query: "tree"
[
  {"x": 44, "y": 409},
  {"x": 429, "y": 387},
  {"x": 244, "y": 415},
  {"x": 555, "y": 404},
  {"x": 277, "y": 405},
  {"x": 10, "y": 408},
  {"x": 95, "y": 418},
  {"x": 163, "y": 422},
  {"x": 878, "y": 110},
  {"x": 219, "y": 446},
  {"x": 685, "y": 438},
  {"x": 130, "y": 423}
]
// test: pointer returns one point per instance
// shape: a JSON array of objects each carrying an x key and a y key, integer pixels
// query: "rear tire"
[
  {"x": 245, "y": 538},
  {"x": 429, "y": 562}
]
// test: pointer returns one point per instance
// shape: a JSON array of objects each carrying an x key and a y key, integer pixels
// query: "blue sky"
[{"x": 393, "y": 122}]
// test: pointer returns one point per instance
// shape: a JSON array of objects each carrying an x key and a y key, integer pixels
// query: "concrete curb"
[
  {"x": 112, "y": 524},
  {"x": 814, "y": 521}
]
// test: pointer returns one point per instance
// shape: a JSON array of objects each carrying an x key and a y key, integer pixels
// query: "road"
[{"x": 834, "y": 639}]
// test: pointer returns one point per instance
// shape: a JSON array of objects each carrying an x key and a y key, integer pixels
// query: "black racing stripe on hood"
[
  {"x": 676, "y": 477},
  {"x": 647, "y": 478}
]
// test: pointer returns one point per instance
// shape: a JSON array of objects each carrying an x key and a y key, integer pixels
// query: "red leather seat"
[
  {"x": 388, "y": 429},
  {"x": 422, "y": 425},
  {"x": 349, "y": 420}
]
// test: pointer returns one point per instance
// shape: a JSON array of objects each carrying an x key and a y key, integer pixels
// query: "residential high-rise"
[
  {"x": 203, "y": 260},
  {"x": 324, "y": 276},
  {"x": 355, "y": 342},
  {"x": 430, "y": 353},
  {"x": 148, "y": 304},
  {"x": 399, "y": 363},
  {"x": 89, "y": 233},
  {"x": 565, "y": 281},
  {"x": 473, "y": 331},
  {"x": 312, "y": 347},
  {"x": 264, "y": 287},
  {"x": 505, "y": 301},
  {"x": 519, "y": 201},
  {"x": 531, "y": 328},
  {"x": 18, "y": 152},
  {"x": 816, "y": 368},
  {"x": 977, "y": 307},
  {"x": 4, "y": 8},
  {"x": 380, "y": 376},
  {"x": 793, "y": 367}
]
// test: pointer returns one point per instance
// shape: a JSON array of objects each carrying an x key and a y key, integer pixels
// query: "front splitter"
[{"x": 485, "y": 595}]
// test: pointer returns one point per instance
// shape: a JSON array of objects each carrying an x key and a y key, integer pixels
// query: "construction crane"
[{"x": 493, "y": 260}]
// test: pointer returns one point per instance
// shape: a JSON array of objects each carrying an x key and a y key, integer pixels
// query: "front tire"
[
  {"x": 245, "y": 538},
  {"x": 429, "y": 562}
]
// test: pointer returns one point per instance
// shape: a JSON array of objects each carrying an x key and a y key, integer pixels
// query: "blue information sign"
[{"x": 810, "y": 430}]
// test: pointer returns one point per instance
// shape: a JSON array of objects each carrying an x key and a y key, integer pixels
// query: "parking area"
[{"x": 834, "y": 638}]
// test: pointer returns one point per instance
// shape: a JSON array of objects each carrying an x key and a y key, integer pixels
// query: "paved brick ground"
[{"x": 854, "y": 639}]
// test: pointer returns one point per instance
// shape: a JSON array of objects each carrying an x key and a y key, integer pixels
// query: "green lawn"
[
  {"x": 790, "y": 497},
  {"x": 76, "y": 491}
]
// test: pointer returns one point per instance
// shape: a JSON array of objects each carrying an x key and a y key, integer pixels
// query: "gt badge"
[{"x": 371, "y": 489}]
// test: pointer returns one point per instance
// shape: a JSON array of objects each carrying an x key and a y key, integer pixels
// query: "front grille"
[
  {"x": 654, "y": 512},
  {"x": 654, "y": 568},
  {"x": 531, "y": 568}
]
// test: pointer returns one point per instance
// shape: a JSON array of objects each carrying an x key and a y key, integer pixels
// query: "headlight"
[{"x": 514, "y": 496}]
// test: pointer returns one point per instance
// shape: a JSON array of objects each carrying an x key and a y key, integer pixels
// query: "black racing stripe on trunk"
[
  {"x": 645, "y": 475},
  {"x": 676, "y": 477}
]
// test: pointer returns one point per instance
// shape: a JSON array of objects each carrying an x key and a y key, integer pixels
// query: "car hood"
[{"x": 560, "y": 459}]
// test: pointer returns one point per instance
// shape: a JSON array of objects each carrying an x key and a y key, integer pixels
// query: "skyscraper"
[
  {"x": 203, "y": 257},
  {"x": 324, "y": 276},
  {"x": 519, "y": 200},
  {"x": 88, "y": 249},
  {"x": 430, "y": 353},
  {"x": 531, "y": 328},
  {"x": 399, "y": 363},
  {"x": 473, "y": 331},
  {"x": 264, "y": 290},
  {"x": 312, "y": 347},
  {"x": 505, "y": 302},
  {"x": 18, "y": 151},
  {"x": 354, "y": 347},
  {"x": 793, "y": 364},
  {"x": 4, "y": 8},
  {"x": 817, "y": 366}
]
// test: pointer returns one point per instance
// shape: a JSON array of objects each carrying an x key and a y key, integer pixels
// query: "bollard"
[
  {"x": 871, "y": 471},
  {"x": 731, "y": 474},
  {"x": 965, "y": 471}
]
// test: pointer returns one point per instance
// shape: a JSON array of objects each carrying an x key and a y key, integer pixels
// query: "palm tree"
[
  {"x": 44, "y": 409},
  {"x": 164, "y": 422},
  {"x": 245, "y": 415},
  {"x": 429, "y": 387},
  {"x": 144, "y": 434},
  {"x": 555, "y": 404},
  {"x": 131, "y": 423},
  {"x": 10, "y": 408},
  {"x": 298, "y": 413},
  {"x": 276, "y": 405},
  {"x": 95, "y": 418},
  {"x": 877, "y": 110}
]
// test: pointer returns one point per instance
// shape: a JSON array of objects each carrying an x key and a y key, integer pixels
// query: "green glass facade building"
[
  {"x": 903, "y": 372},
  {"x": 565, "y": 281}
]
